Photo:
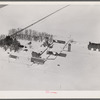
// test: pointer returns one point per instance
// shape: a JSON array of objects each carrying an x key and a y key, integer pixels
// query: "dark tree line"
[
  {"x": 10, "y": 43},
  {"x": 31, "y": 35},
  {"x": 11, "y": 40}
]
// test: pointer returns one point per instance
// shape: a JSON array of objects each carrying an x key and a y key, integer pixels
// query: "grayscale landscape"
[{"x": 59, "y": 52}]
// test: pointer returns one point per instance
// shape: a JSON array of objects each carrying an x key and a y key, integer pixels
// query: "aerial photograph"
[{"x": 49, "y": 47}]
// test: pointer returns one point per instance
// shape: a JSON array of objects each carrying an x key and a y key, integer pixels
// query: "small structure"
[
  {"x": 94, "y": 46},
  {"x": 37, "y": 60},
  {"x": 56, "y": 54},
  {"x": 25, "y": 49},
  {"x": 69, "y": 47},
  {"x": 62, "y": 55},
  {"x": 13, "y": 56},
  {"x": 35, "y": 54},
  {"x": 59, "y": 41},
  {"x": 29, "y": 43}
]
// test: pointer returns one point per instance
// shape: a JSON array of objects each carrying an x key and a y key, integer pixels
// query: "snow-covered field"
[{"x": 80, "y": 70}]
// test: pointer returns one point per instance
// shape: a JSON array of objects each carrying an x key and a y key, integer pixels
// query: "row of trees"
[
  {"x": 28, "y": 34},
  {"x": 10, "y": 43},
  {"x": 31, "y": 35}
]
